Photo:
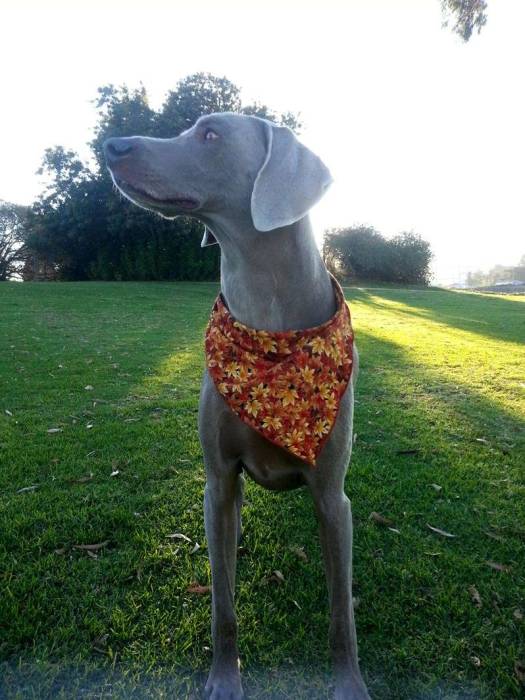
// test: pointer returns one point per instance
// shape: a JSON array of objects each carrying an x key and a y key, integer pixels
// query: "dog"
[{"x": 252, "y": 183}]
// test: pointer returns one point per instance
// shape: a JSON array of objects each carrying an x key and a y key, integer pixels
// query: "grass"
[{"x": 439, "y": 424}]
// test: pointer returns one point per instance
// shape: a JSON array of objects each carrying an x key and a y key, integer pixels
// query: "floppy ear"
[
  {"x": 208, "y": 238},
  {"x": 291, "y": 180}
]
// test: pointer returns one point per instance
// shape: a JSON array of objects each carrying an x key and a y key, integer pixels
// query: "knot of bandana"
[{"x": 287, "y": 385}]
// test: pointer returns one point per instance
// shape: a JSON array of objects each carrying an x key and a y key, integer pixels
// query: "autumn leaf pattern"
[{"x": 286, "y": 385}]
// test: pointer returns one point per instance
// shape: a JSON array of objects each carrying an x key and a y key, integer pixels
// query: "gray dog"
[{"x": 252, "y": 184}]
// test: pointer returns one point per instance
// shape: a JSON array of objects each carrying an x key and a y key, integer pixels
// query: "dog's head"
[{"x": 227, "y": 167}]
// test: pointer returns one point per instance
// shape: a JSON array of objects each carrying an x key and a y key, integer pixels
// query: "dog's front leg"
[
  {"x": 222, "y": 501},
  {"x": 335, "y": 524}
]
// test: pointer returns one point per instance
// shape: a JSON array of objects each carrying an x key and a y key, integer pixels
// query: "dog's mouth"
[{"x": 180, "y": 202}]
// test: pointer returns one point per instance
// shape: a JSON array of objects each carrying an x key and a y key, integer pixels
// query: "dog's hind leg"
[{"x": 222, "y": 503}]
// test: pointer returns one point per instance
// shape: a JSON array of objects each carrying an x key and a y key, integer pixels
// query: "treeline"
[
  {"x": 362, "y": 253},
  {"x": 498, "y": 273},
  {"x": 81, "y": 228}
]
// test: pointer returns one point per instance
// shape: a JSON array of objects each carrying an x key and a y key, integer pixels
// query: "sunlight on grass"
[
  {"x": 168, "y": 373},
  {"x": 439, "y": 440},
  {"x": 491, "y": 367}
]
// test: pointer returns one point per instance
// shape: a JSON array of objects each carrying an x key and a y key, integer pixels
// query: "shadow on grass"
[
  {"x": 416, "y": 622},
  {"x": 432, "y": 451},
  {"x": 501, "y": 318}
]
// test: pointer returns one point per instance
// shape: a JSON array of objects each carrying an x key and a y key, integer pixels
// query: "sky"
[{"x": 421, "y": 132}]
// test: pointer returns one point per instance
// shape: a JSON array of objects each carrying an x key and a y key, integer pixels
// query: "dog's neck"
[{"x": 275, "y": 280}]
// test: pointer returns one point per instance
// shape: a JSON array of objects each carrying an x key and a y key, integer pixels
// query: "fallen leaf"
[
  {"x": 482, "y": 440},
  {"x": 394, "y": 529},
  {"x": 195, "y": 548},
  {"x": 81, "y": 479},
  {"x": 91, "y": 554},
  {"x": 296, "y": 604},
  {"x": 519, "y": 670},
  {"x": 8, "y": 412},
  {"x": 88, "y": 387},
  {"x": 100, "y": 643},
  {"x": 299, "y": 552},
  {"x": 276, "y": 576},
  {"x": 28, "y": 488},
  {"x": 198, "y": 589},
  {"x": 517, "y": 614},
  {"x": 178, "y": 536},
  {"x": 476, "y": 598},
  {"x": 61, "y": 550},
  {"x": 91, "y": 547},
  {"x": 498, "y": 567},
  {"x": 437, "y": 487},
  {"x": 380, "y": 519},
  {"x": 54, "y": 430},
  {"x": 115, "y": 472},
  {"x": 476, "y": 661},
  {"x": 443, "y": 533},
  {"x": 494, "y": 536},
  {"x": 89, "y": 426}
]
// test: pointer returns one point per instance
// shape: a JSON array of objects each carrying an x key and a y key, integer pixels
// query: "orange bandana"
[{"x": 287, "y": 385}]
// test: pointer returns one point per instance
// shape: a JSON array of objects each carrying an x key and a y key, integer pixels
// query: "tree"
[
  {"x": 65, "y": 171},
  {"x": 362, "y": 253},
  {"x": 121, "y": 112},
  {"x": 467, "y": 16},
  {"x": 81, "y": 225},
  {"x": 359, "y": 252},
  {"x": 197, "y": 94},
  {"x": 475, "y": 279},
  {"x": 12, "y": 239},
  {"x": 410, "y": 258}
]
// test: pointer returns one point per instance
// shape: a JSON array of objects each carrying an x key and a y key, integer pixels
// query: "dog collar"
[{"x": 286, "y": 385}]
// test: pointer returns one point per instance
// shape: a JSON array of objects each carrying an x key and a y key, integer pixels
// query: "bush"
[{"x": 362, "y": 253}]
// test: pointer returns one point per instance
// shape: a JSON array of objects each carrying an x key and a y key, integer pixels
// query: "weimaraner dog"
[{"x": 252, "y": 183}]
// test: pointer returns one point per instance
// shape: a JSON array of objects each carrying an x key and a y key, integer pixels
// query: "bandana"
[{"x": 286, "y": 385}]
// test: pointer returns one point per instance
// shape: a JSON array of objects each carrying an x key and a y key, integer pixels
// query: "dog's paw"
[
  {"x": 224, "y": 687},
  {"x": 351, "y": 690}
]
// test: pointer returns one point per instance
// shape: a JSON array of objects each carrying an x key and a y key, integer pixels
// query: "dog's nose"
[{"x": 117, "y": 148}]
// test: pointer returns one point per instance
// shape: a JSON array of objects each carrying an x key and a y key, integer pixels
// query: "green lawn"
[{"x": 114, "y": 370}]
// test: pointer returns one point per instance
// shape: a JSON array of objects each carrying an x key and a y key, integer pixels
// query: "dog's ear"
[
  {"x": 291, "y": 180},
  {"x": 208, "y": 238}
]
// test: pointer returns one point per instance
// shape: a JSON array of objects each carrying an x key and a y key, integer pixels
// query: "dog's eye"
[{"x": 210, "y": 135}]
